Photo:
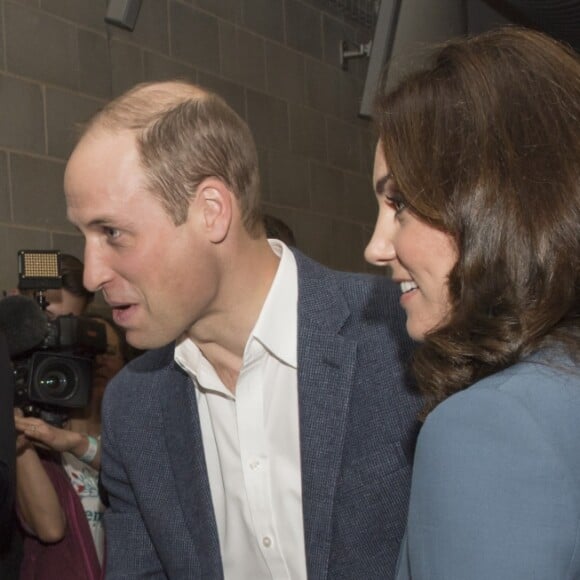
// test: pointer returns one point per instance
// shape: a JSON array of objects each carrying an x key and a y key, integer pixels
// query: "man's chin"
[{"x": 144, "y": 341}]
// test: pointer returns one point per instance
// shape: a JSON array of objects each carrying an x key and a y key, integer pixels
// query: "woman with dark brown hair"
[{"x": 477, "y": 176}]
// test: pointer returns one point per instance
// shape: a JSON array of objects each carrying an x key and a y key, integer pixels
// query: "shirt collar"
[
  {"x": 277, "y": 326},
  {"x": 276, "y": 329}
]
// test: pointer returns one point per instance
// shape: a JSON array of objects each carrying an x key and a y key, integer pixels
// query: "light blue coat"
[{"x": 496, "y": 483}]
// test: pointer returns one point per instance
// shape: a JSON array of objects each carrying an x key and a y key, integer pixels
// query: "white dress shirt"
[{"x": 252, "y": 442}]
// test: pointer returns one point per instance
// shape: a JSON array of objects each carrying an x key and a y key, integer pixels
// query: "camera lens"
[
  {"x": 59, "y": 379},
  {"x": 56, "y": 379}
]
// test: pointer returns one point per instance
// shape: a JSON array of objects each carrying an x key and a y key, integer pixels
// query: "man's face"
[{"x": 158, "y": 278}]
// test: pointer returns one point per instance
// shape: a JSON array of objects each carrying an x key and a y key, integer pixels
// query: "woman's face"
[
  {"x": 419, "y": 255},
  {"x": 62, "y": 302}
]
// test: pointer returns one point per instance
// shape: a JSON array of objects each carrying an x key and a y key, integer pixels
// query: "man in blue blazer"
[{"x": 268, "y": 432}]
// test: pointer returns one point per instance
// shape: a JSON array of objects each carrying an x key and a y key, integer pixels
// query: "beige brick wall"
[{"x": 275, "y": 61}]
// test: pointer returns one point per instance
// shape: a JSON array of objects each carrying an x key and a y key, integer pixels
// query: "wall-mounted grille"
[{"x": 362, "y": 12}]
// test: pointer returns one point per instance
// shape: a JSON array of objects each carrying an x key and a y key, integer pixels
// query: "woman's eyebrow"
[{"x": 380, "y": 184}]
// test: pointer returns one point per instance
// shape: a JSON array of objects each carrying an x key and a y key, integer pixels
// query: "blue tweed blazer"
[{"x": 357, "y": 433}]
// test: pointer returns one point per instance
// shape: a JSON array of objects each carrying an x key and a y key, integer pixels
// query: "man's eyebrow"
[
  {"x": 380, "y": 184},
  {"x": 96, "y": 223},
  {"x": 102, "y": 221}
]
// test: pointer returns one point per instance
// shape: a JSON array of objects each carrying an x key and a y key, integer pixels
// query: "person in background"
[
  {"x": 477, "y": 176},
  {"x": 73, "y": 297},
  {"x": 268, "y": 431},
  {"x": 7, "y": 446},
  {"x": 279, "y": 230},
  {"x": 58, "y": 492}
]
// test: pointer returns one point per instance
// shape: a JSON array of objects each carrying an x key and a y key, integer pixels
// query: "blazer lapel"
[
  {"x": 326, "y": 366},
  {"x": 185, "y": 448}
]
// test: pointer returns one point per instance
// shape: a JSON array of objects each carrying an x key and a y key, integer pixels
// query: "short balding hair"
[{"x": 184, "y": 135}]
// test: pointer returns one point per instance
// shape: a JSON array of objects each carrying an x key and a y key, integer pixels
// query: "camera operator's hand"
[
  {"x": 22, "y": 442},
  {"x": 39, "y": 507},
  {"x": 42, "y": 434}
]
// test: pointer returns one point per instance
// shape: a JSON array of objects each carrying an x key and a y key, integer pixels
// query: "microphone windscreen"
[{"x": 23, "y": 323}]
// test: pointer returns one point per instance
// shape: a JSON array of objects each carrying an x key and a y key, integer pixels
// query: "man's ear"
[{"x": 217, "y": 209}]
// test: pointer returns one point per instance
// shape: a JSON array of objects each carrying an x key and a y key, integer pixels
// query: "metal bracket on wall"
[
  {"x": 346, "y": 55},
  {"x": 123, "y": 13}
]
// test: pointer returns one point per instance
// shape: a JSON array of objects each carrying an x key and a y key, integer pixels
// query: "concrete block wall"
[{"x": 275, "y": 61}]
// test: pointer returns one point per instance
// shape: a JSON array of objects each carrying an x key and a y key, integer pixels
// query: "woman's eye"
[{"x": 396, "y": 203}]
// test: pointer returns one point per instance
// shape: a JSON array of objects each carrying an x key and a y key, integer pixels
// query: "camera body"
[{"x": 58, "y": 374}]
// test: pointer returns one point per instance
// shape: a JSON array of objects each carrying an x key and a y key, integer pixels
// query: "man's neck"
[{"x": 222, "y": 336}]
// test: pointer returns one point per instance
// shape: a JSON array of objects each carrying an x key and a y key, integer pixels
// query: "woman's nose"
[{"x": 380, "y": 250}]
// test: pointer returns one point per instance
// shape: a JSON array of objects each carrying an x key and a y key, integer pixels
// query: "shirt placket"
[{"x": 256, "y": 465}]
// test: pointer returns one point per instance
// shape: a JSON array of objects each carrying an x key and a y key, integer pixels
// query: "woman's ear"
[{"x": 217, "y": 208}]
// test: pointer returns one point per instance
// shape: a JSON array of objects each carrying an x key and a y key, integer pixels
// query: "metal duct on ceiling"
[
  {"x": 363, "y": 12},
  {"x": 559, "y": 18}
]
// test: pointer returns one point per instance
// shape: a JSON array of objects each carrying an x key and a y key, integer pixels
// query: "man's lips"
[
  {"x": 122, "y": 312},
  {"x": 118, "y": 303}
]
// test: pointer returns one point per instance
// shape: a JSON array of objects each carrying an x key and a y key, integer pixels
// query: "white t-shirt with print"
[{"x": 84, "y": 480}]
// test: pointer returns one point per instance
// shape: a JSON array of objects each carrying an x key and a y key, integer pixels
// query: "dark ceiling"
[{"x": 559, "y": 18}]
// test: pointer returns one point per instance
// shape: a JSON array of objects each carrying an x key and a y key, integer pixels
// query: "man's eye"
[{"x": 111, "y": 232}]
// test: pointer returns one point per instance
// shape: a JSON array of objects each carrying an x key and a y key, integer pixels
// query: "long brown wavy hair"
[{"x": 485, "y": 145}]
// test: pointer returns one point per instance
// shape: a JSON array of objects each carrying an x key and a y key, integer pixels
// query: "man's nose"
[{"x": 96, "y": 272}]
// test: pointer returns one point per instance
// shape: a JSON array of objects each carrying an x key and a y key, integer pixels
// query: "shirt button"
[
  {"x": 266, "y": 541},
  {"x": 254, "y": 464}
]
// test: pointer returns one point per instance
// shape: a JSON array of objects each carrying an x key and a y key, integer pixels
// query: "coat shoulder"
[
  {"x": 370, "y": 298},
  {"x": 141, "y": 382}
]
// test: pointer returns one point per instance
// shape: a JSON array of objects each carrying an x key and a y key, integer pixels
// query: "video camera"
[{"x": 56, "y": 373}]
